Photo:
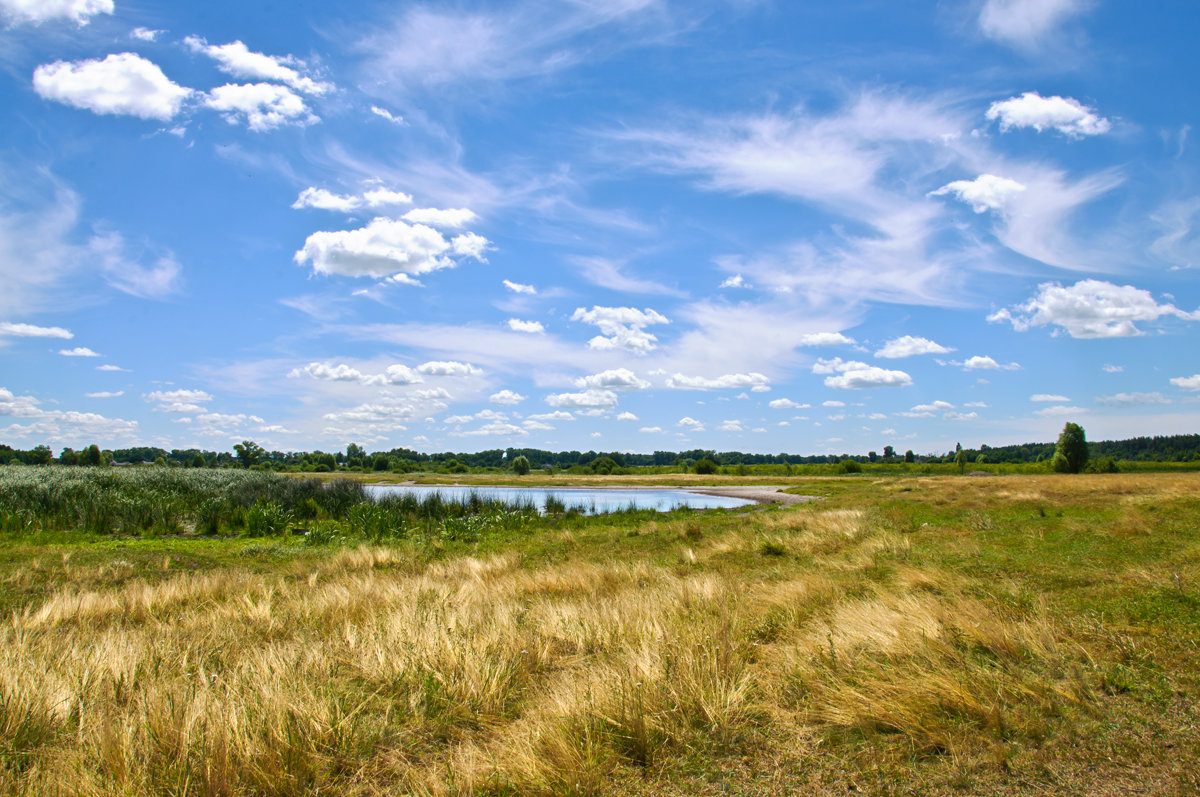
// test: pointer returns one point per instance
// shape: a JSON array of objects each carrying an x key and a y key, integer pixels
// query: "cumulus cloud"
[
  {"x": 1089, "y": 309},
  {"x": 387, "y": 247},
  {"x": 323, "y": 199},
  {"x": 123, "y": 83},
  {"x": 588, "y": 399},
  {"x": 736, "y": 281},
  {"x": 1049, "y": 398},
  {"x": 650, "y": 430},
  {"x": 731, "y": 426},
  {"x": 1132, "y": 399},
  {"x": 627, "y": 416},
  {"x": 240, "y": 61},
  {"x": 532, "y": 327},
  {"x": 826, "y": 339},
  {"x": 1026, "y": 23},
  {"x": 833, "y": 403},
  {"x": 506, "y": 398},
  {"x": 910, "y": 346},
  {"x": 59, "y": 425},
  {"x": 392, "y": 375},
  {"x": 105, "y": 394},
  {"x": 1113, "y": 369},
  {"x": 986, "y": 192},
  {"x": 79, "y": 351},
  {"x": 33, "y": 331},
  {"x": 451, "y": 368},
  {"x": 39, "y": 11},
  {"x": 557, "y": 415},
  {"x": 261, "y": 106},
  {"x": 517, "y": 287},
  {"x": 755, "y": 381},
  {"x": 145, "y": 34},
  {"x": 178, "y": 400},
  {"x": 614, "y": 379},
  {"x": 1064, "y": 114},
  {"x": 621, "y": 327},
  {"x": 985, "y": 363},
  {"x": 1187, "y": 382},
  {"x": 690, "y": 424},
  {"x": 787, "y": 404},
  {"x": 853, "y": 375}
]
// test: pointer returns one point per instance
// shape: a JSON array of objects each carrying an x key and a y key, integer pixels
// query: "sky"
[{"x": 614, "y": 225}]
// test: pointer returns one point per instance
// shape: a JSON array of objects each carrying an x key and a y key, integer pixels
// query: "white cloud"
[
  {"x": 599, "y": 399},
  {"x": 650, "y": 430},
  {"x": 59, "y": 426},
  {"x": 985, "y": 363},
  {"x": 755, "y": 381},
  {"x": 126, "y": 274},
  {"x": 452, "y": 217},
  {"x": 609, "y": 274},
  {"x": 532, "y": 327},
  {"x": 1049, "y": 398},
  {"x": 39, "y": 11},
  {"x": 323, "y": 199},
  {"x": 387, "y": 247},
  {"x": 787, "y": 404},
  {"x": 238, "y": 60},
  {"x": 614, "y": 379},
  {"x": 1113, "y": 369},
  {"x": 833, "y": 403},
  {"x": 145, "y": 34},
  {"x": 1132, "y": 399},
  {"x": 517, "y": 287},
  {"x": 392, "y": 375},
  {"x": 826, "y": 339},
  {"x": 182, "y": 401},
  {"x": 735, "y": 281},
  {"x": 1187, "y": 382},
  {"x": 621, "y": 327},
  {"x": 33, "y": 331},
  {"x": 871, "y": 376},
  {"x": 986, "y": 192},
  {"x": 109, "y": 367},
  {"x": 961, "y": 416},
  {"x": 1064, "y": 114},
  {"x": 386, "y": 114},
  {"x": 1059, "y": 410},
  {"x": 536, "y": 426},
  {"x": 262, "y": 106},
  {"x": 106, "y": 394},
  {"x": 448, "y": 368},
  {"x": 690, "y": 424},
  {"x": 1026, "y": 23},
  {"x": 557, "y": 415},
  {"x": 123, "y": 83},
  {"x": 836, "y": 365},
  {"x": 731, "y": 426},
  {"x": 627, "y": 416},
  {"x": 909, "y": 346},
  {"x": 506, "y": 398},
  {"x": 1089, "y": 309},
  {"x": 79, "y": 351}
]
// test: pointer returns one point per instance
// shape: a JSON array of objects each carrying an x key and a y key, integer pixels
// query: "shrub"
[
  {"x": 706, "y": 467},
  {"x": 520, "y": 466},
  {"x": 851, "y": 466}
]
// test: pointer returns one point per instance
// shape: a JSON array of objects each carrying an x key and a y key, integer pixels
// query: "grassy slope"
[{"x": 936, "y": 635}]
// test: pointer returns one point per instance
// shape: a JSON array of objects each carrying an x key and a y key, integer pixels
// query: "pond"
[{"x": 590, "y": 501}]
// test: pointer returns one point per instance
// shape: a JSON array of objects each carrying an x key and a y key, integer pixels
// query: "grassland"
[{"x": 918, "y": 635}]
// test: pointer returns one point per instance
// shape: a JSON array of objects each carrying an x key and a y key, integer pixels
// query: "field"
[{"x": 170, "y": 634}]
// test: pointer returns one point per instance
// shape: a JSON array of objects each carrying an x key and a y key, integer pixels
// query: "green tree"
[
  {"x": 889, "y": 452},
  {"x": 706, "y": 467},
  {"x": 39, "y": 455},
  {"x": 960, "y": 459},
  {"x": 909, "y": 456},
  {"x": 90, "y": 455},
  {"x": 1071, "y": 452},
  {"x": 520, "y": 466},
  {"x": 248, "y": 453}
]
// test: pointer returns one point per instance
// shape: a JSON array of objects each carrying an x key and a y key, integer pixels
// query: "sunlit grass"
[{"x": 932, "y": 635}]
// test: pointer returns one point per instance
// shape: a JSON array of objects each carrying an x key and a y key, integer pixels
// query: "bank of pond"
[{"x": 158, "y": 501}]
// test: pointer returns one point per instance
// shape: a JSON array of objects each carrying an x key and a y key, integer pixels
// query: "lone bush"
[
  {"x": 706, "y": 467},
  {"x": 851, "y": 466},
  {"x": 1071, "y": 453},
  {"x": 520, "y": 466}
]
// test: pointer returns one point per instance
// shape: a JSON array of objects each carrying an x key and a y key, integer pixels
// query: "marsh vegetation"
[{"x": 1028, "y": 634}]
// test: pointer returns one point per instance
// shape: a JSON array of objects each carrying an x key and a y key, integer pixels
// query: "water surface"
[{"x": 589, "y": 500}]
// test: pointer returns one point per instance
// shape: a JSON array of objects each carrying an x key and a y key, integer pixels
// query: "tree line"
[{"x": 1173, "y": 448}]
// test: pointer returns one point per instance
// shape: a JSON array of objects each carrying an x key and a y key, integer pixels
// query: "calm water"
[{"x": 589, "y": 500}]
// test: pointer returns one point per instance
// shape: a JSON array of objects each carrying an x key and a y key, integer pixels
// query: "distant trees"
[
  {"x": 1071, "y": 452},
  {"x": 909, "y": 456},
  {"x": 248, "y": 453}
]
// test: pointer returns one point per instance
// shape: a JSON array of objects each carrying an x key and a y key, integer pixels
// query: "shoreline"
[{"x": 758, "y": 493}]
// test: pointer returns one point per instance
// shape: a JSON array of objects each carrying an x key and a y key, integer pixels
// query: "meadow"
[{"x": 221, "y": 633}]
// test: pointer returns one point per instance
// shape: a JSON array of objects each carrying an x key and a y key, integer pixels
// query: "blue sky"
[{"x": 624, "y": 225}]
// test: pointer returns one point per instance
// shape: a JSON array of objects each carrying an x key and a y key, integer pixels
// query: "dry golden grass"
[{"x": 774, "y": 637}]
